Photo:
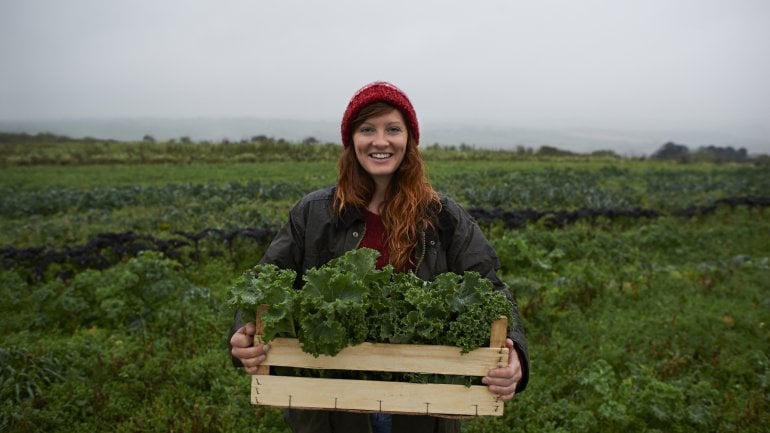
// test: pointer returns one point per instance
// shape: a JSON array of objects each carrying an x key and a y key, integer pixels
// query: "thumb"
[{"x": 511, "y": 350}]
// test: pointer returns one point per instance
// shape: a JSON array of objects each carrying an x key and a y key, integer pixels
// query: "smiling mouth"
[{"x": 381, "y": 155}]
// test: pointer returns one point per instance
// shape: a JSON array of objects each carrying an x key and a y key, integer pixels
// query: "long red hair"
[{"x": 409, "y": 198}]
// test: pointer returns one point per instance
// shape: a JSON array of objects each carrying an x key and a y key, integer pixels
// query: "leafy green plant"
[
  {"x": 349, "y": 301},
  {"x": 333, "y": 302},
  {"x": 267, "y": 285}
]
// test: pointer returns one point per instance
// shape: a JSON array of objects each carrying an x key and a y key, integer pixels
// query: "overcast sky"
[{"x": 538, "y": 63}]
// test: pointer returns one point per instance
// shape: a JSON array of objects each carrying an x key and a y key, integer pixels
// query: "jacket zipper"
[
  {"x": 361, "y": 237},
  {"x": 422, "y": 253}
]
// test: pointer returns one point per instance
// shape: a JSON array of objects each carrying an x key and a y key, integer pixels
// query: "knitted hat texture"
[{"x": 379, "y": 91}]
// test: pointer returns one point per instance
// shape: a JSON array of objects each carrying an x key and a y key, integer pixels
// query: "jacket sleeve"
[
  {"x": 285, "y": 251},
  {"x": 237, "y": 323},
  {"x": 470, "y": 250}
]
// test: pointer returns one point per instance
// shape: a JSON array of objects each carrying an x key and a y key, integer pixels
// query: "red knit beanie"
[{"x": 379, "y": 91}]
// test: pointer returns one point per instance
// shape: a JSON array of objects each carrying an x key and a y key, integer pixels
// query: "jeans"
[
  {"x": 320, "y": 421},
  {"x": 381, "y": 422}
]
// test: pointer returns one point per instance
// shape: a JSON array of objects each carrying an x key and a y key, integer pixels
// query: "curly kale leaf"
[
  {"x": 409, "y": 310},
  {"x": 429, "y": 313},
  {"x": 267, "y": 285},
  {"x": 471, "y": 328},
  {"x": 334, "y": 300},
  {"x": 470, "y": 292},
  {"x": 453, "y": 310},
  {"x": 387, "y": 307}
]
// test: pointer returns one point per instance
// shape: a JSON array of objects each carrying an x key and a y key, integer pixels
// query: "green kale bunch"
[
  {"x": 271, "y": 286},
  {"x": 348, "y": 301},
  {"x": 452, "y": 310},
  {"x": 333, "y": 303}
]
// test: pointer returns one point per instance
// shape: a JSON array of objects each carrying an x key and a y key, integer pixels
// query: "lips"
[{"x": 380, "y": 155}]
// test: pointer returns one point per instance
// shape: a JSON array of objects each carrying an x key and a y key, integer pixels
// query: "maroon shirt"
[{"x": 375, "y": 237}]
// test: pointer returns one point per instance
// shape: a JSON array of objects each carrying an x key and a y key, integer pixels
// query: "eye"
[
  {"x": 365, "y": 129},
  {"x": 394, "y": 130}
]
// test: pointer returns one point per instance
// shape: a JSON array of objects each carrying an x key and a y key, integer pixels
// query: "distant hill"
[{"x": 585, "y": 140}]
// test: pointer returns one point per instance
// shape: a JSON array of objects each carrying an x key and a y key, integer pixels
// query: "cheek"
[
  {"x": 403, "y": 149},
  {"x": 358, "y": 152}
]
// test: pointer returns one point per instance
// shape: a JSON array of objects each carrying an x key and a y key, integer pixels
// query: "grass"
[
  {"x": 95, "y": 176},
  {"x": 634, "y": 325}
]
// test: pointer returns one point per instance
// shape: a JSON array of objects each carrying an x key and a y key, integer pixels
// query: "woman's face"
[{"x": 380, "y": 145}]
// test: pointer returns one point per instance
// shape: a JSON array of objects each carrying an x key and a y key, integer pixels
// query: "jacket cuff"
[{"x": 523, "y": 360}]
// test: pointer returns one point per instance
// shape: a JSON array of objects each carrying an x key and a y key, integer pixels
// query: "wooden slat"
[
  {"x": 260, "y": 329},
  {"x": 498, "y": 332},
  {"x": 414, "y": 358},
  {"x": 374, "y": 396}
]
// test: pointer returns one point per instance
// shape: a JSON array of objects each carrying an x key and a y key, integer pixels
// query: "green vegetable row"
[
  {"x": 507, "y": 187},
  {"x": 18, "y": 204}
]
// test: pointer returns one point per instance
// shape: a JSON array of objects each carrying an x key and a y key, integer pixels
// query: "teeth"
[{"x": 380, "y": 155}]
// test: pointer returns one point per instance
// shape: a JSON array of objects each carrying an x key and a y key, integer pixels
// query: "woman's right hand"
[{"x": 251, "y": 355}]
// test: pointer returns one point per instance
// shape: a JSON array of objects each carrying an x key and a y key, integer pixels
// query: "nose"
[{"x": 380, "y": 139}]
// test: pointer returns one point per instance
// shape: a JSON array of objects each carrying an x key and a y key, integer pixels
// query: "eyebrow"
[
  {"x": 395, "y": 122},
  {"x": 389, "y": 124}
]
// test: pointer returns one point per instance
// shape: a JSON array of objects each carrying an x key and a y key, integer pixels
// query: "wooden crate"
[{"x": 379, "y": 396}]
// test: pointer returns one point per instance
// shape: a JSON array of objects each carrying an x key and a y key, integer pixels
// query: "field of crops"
[{"x": 644, "y": 287}]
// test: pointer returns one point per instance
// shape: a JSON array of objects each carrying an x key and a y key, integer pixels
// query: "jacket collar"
[
  {"x": 353, "y": 215},
  {"x": 350, "y": 216}
]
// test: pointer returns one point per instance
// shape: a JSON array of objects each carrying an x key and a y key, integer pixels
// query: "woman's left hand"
[{"x": 503, "y": 380}]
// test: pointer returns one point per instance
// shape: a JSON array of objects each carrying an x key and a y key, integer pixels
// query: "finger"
[
  {"x": 497, "y": 381},
  {"x": 251, "y": 370},
  {"x": 250, "y": 328},
  {"x": 241, "y": 340},
  {"x": 501, "y": 373},
  {"x": 246, "y": 352},
  {"x": 511, "y": 372},
  {"x": 507, "y": 397},
  {"x": 513, "y": 355},
  {"x": 500, "y": 386},
  {"x": 504, "y": 374},
  {"x": 253, "y": 362},
  {"x": 512, "y": 368},
  {"x": 507, "y": 388},
  {"x": 504, "y": 396},
  {"x": 249, "y": 359},
  {"x": 504, "y": 392}
]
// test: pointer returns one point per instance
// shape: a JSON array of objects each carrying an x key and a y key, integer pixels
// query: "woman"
[{"x": 383, "y": 201}]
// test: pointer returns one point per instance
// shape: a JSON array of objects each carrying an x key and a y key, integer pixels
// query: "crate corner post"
[{"x": 262, "y": 370}]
